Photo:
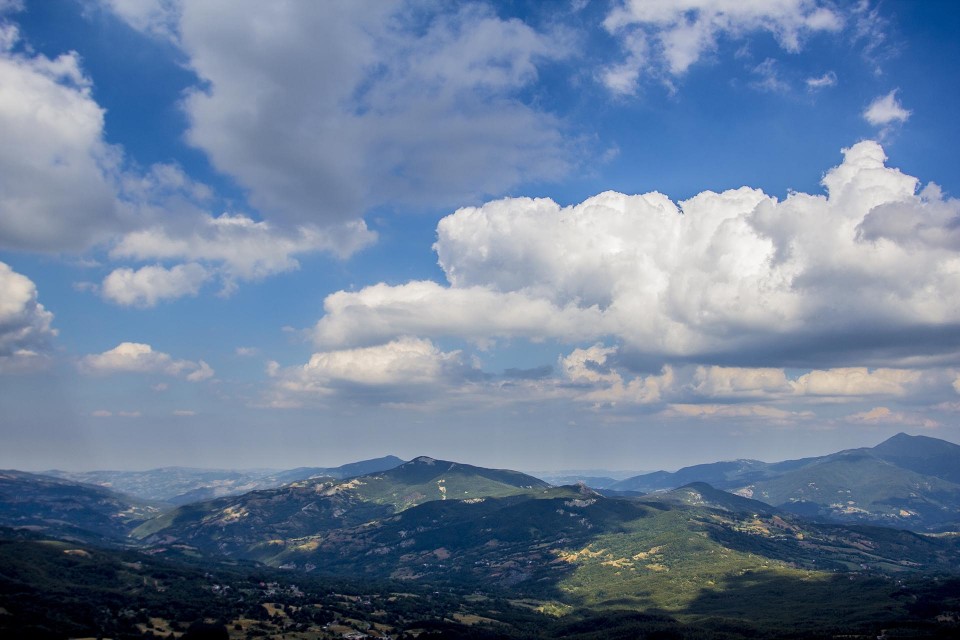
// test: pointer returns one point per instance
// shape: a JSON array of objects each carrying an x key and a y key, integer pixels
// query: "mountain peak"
[
  {"x": 424, "y": 460},
  {"x": 922, "y": 454},
  {"x": 900, "y": 437},
  {"x": 906, "y": 444}
]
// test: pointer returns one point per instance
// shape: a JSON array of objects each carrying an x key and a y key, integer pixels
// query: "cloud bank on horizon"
[{"x": 317, "y": 147}]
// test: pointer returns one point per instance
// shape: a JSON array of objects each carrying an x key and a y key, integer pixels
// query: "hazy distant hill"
[
  {"x": 594, "y": 482},
  {"x": 183, "y": 485},
  {"x": 69, "y": 510},
  {"x": 728, "y": 474},
  {"x": 593, "y": 478},
  {"x": 906, "y": 481}
]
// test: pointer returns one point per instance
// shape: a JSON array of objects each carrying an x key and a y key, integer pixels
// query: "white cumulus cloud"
[
  {"x": 57, "y": 190},
  {"x": 158, "y": 17},
  {"x": 589, "y": 365},
  {"x": 856, "y": 381},
  {"x": 605, "y": 384},
  {"x": 886, "y": 110},
  {"x": 738, "y": 276},
  {"x": 25, "y": 331},
  {"x": 238, "y": 247},
  {"x": 323, "y": 110},
  {"x": 147, "y": 286},
  {"x": 667, "y": 37},
  {"x": 595, "y": 374},
  {"x": 135, "y": 357},
  {"x": 885, "y": 415},
  {"x": 403, "y": 365},
  {"x": 740, "y": 382},
  {"x": 65, "y": 189}
]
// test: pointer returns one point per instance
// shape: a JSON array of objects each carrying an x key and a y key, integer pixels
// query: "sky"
[{"x": 609, "y": 234}]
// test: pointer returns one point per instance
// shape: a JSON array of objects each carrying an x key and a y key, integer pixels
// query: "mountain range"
[
  {"x": 697, "y": 545},
  {"x": 911, "y": 482},
  {"x": 443, "y": 522}
]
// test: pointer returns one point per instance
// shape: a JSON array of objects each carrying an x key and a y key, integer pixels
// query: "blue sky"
[{"x": 630, "y": 235}]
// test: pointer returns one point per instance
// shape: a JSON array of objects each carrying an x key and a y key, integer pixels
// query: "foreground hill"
[
  {"x": 906, "y": 481},
  {"x": 69, "y": 510},
  {"x": 183, "y": 485},
  {"x": 51, "y": 589}
]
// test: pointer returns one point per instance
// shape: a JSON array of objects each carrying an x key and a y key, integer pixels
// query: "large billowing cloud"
[
  {"x": 320, "y": 111},
  {"x": 666, "y": 37},
  {"x": 63, "y": 188},
  {"x": 57, "y": 174},
  {"x": 135, "y": 357},
  {"x": 323, "y": 110},
  {"x": 25, "y": 331},
  {"x": 866, "y": 274}
]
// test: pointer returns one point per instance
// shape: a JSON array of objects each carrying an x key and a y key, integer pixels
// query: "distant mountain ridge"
[
  {"x": 183, "y": 485},
  {"x": 906, "y": 481}
]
